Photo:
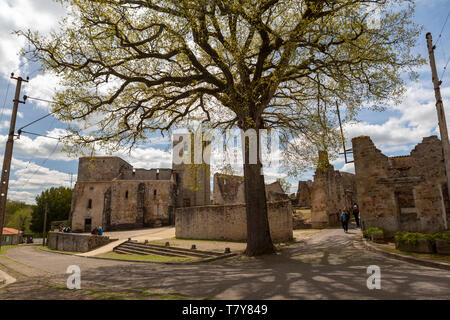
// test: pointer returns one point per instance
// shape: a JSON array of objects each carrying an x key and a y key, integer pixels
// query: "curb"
[
  {"x": 141, "y": 261},
  {"x": 397, "y": 256}
]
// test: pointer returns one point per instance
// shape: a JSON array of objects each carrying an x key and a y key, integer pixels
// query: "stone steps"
[{"x": 132, "y": 247}]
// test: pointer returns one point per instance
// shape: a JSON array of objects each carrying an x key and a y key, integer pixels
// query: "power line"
[
  {"x": 445, "y": 69},
  {"x": 445, "y": 23},
  {"x": 4, "y": 102},
  {"x": 41, "y": 165},
  {"x": 38, "y": 134}
]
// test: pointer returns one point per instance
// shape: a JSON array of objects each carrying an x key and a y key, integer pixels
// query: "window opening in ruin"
[
  {"x": 90, "y": 204},
  {"x": 154, "y": 194},
  {"x": 186, "y": 202},
  {"x": 406, "y": 204},
  {"x": 126, "y": 194}
]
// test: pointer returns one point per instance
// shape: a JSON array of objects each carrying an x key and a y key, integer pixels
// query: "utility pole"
[
  {"x": 8, "y": 154},
  {"x": 441, "y": 116},
  {"x": 44, "y": 232}
]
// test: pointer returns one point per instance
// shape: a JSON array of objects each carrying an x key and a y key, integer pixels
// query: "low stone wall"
[
  {"x": 229, "y": 222},
  {"x": 76, "y": 242}
]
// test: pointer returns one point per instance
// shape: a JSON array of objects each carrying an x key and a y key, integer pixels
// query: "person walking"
[
  {"x": 355, "y": 211},
  {"x": 100, "y": 231},
  {"x": 345, "y": 217}
]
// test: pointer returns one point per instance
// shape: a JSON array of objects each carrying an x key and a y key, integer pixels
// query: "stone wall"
[
  {"x": 303, "y": 196},
  {"x": 407, "y": 193},
  {"x": 229, "y": 222},
  {"x": 76, "y": 242},
  {"x": 101, "y": 168},
  {"x": 331, "y": 192},
  {"x": 230, "y": 189}
]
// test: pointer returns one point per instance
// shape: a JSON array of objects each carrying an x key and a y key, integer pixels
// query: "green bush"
[
  {"x": 411, "y": 238},
  {"x": 368, "y": 233}
]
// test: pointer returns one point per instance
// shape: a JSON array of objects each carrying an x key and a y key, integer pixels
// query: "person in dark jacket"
[
  {"x": 355, "y": 211},
  {"x": 345, "y": 217}
]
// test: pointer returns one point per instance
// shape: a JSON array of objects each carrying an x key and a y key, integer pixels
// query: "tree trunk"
[{"x": 259, "y": 241}]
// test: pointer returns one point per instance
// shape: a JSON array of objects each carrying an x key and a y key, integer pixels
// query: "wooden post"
[
  {"x": 441, "y": 116},
  {"x": 44, "y": 232},
  {"x": 8, "y": 155}
]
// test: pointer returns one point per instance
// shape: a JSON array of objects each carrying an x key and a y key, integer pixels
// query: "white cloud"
[
  {"x": 16, "y": 15},
  {"x": 417, "y": 119},
  {"x": 30, "y": 179}
]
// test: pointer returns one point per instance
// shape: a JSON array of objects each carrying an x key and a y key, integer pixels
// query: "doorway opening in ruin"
[{"x": 87, "y": 225}]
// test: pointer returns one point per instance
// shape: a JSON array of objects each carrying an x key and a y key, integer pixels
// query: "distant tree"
[
  {"x": 59, "y": 201},
  {"x": 12, "y": 207},
  {"x": 21, "y": 219}
]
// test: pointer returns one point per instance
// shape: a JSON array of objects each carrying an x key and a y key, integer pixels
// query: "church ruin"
[{"x": 111, "y": 193}]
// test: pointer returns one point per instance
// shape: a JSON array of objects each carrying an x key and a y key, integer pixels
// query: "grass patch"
[
  {"x": 148, "y": 257},
  {"x": 44, "y": 248},
  {"x": 4, "y": 249},
  {"x": 428, "y": 256},
  {"x": 134, "y": 295}
]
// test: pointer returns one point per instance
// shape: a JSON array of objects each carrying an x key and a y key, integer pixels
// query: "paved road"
[{"x": 329, "y": 265}]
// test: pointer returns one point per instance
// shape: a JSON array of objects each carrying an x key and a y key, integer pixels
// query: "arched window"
[
  {"x": 126, "y": 195},
  {"x": 154, "y": 194}
]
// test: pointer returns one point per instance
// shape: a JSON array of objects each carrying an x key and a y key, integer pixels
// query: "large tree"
[{"x": 130, "y": 67}]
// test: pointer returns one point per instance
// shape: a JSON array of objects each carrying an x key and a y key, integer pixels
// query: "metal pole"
[
  {"x": 342, "y": 131},
  {"x": 8, "y": 155},
  {"x": 441, "y": 116}
]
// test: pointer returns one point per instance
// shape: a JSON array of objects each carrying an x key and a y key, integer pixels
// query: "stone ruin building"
[
  {"x": 331, "y": 192},
  {"x": 406, "y": 193},
  {"x": 112, "y": 194}
]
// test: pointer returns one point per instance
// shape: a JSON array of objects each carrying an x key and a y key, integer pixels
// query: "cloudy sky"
[{"x": 39, "y": 162}]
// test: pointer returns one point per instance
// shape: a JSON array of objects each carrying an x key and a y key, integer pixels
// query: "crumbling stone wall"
[
  {"x": 331, "y": 192},
  {"x": 229, "y": 189},
  {"x": 229, "y": 222},
  {"x": 303, "y": 196},
  {"x": 407, "y": 193},
  {"x": 193, "y": 180}
]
